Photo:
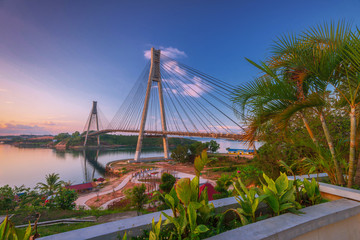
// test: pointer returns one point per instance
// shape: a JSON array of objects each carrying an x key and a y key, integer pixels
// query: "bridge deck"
[{"x": 230, "y": 136}]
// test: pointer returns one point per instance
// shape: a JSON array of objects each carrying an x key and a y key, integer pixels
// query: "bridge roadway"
[{"x": 230, "y": 136}]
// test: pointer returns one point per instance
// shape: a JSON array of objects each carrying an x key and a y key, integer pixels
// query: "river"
[{"x": 29, "y": 166}]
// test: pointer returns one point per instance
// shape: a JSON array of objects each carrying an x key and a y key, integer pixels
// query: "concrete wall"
[
  {"x": 341, "y": 217},
  {"x": 325, "y": 221}
]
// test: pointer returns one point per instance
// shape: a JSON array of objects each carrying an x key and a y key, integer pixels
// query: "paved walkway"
[{"x": 81, "y": 201}]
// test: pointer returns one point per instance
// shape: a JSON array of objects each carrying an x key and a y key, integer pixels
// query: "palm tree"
[
  {"x": 308, "y": 64},
  {"x": 52, "y": 184}
]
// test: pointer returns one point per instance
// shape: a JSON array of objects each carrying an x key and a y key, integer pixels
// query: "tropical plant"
[
  {"x": 311, "y": 191},
  {"x": 9, "y": 232},
  {"x": 222, "y": 186},
  {"x": 248, "y": 200},
  {"x": 51, "y": 185},
  {"x": 191, "y": 212},
  {"x": 280, "y": 194}
]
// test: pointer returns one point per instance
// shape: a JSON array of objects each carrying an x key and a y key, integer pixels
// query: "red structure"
[
  {"x": 82, "y": 187},
  {"x": 210, "y": 189}
]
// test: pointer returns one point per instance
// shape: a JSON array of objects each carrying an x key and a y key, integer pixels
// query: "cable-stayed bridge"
[{"x": 171, "y": 99}]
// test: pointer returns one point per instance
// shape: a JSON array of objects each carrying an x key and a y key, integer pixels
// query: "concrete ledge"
[
  {"x": 133, "y": 226},
  {"x": 344, "y": 192},
  {"x": 289, "y": 226}
]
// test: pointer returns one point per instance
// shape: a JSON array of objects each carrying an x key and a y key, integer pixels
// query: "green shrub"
[
  {"x": 65, "y": 199},
  {"x": 137, "y": 196},
  {"x": 167, "y": 182}
]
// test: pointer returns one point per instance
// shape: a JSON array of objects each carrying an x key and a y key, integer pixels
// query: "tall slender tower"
[
  {"x": 154, "y": 76},
  {"x": 93, "y": 117}
]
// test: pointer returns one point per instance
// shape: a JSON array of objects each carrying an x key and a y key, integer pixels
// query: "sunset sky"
[{"x": 57, "y": 56}]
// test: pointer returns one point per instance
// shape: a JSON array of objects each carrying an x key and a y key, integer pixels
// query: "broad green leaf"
[
  {"x": 281, "y": 183},
  {"x": 286, "y": 206},
  {"x": 172, "y": 220},
  {"x": 273, "y": 203},
  {"x": 152, "y": 236},
  {"x": 201, "y": 229},
  {"x": 183, "y": 190},
  {"x": 124, "y": 237},
  {"x": 194, "y": 189},
  {"x": 271, "y": 183},
  {"x": 192, "y": 216}
]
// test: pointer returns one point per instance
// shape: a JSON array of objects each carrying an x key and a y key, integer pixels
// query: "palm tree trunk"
[
  {"x": 339, "y": 173},
  {"x": 306, "y": 123},
  {"x": 357, "y": 174},
  {"x": 352, "y": 147}
]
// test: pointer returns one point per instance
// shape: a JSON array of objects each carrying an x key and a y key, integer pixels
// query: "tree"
[
  {"x": 7, "y": 198},
  {"x": 51, "y": 185},
  {"x": 137, "y": 196},
  {"x": 167, "y": 182},
  {"x": 295, "y": 82},
  {"x": 181, "y": 153},
  {"x": 213, "y": 146},
  {"x": 65, "y": 199}
]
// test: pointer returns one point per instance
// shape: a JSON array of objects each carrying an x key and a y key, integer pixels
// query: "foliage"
[
  {"x": 311, "y": 191},
  {"x": 222, "y": 186},
  {"x": 249, "y": 174},
  {"x": 180, "y": 154},
  {"x": 213, "y": 146},
  {"x": 65, "y": 199},
  {"x": 9, "y": 232},
  {"x": 248, "y": 202},
  {"x": 191, "y": 212},
  {"x": 167, "y": 182},
  {"x": 7, "y": 198},
  {"x": 138, "y": 196},
  {"x": 51, "y": 185},
  {"x": 280, "y": 194}
]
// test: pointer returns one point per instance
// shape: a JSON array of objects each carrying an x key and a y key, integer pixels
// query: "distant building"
[{"x": 240, "y": 151}]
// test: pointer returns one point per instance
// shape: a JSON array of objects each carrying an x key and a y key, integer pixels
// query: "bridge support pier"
[
  {"x": 154, "y": 76},
  {"x": 93, "y": 114}
]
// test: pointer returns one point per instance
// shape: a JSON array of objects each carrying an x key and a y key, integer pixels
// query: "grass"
[
  {"x": 23, "y": 217},
  {"x": 59, "y": 228}
]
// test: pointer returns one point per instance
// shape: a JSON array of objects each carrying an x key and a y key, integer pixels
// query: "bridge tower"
[
  {"x": 154, "y": 76},
  {"x": 93, "y": 117}
]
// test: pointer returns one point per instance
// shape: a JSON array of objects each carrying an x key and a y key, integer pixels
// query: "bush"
[
  {"x": 180, "y": 154},
  {"x": 137, "y": 196},
  {"x": 167, "y": 182},
  {"x": 65, "y": 199},
  {"x": 222, "y": 186},
  {"x": 7, "y": 198}
]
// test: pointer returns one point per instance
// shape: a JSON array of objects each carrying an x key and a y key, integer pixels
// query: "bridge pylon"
[
  {"x": 154, "y": 76},
  {"x": 93, "y": 117}
]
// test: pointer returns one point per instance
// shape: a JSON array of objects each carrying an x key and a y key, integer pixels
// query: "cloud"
[
  {"x": 9, "y": 102},
  {"x": 170, "y": 52},
  {"x": 196, "y": 88},
  {"x": 17, "y": 129},
  {"x": 3, "y": 90}
]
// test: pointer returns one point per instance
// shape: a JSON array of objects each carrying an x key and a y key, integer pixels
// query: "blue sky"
[{"x": 57, "y": 56}]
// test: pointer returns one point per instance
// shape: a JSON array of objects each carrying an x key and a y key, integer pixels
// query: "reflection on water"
[{"x": 30, "y": 165}]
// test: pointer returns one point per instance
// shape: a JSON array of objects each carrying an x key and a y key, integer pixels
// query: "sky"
[{"x": 58, "y": 56}]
